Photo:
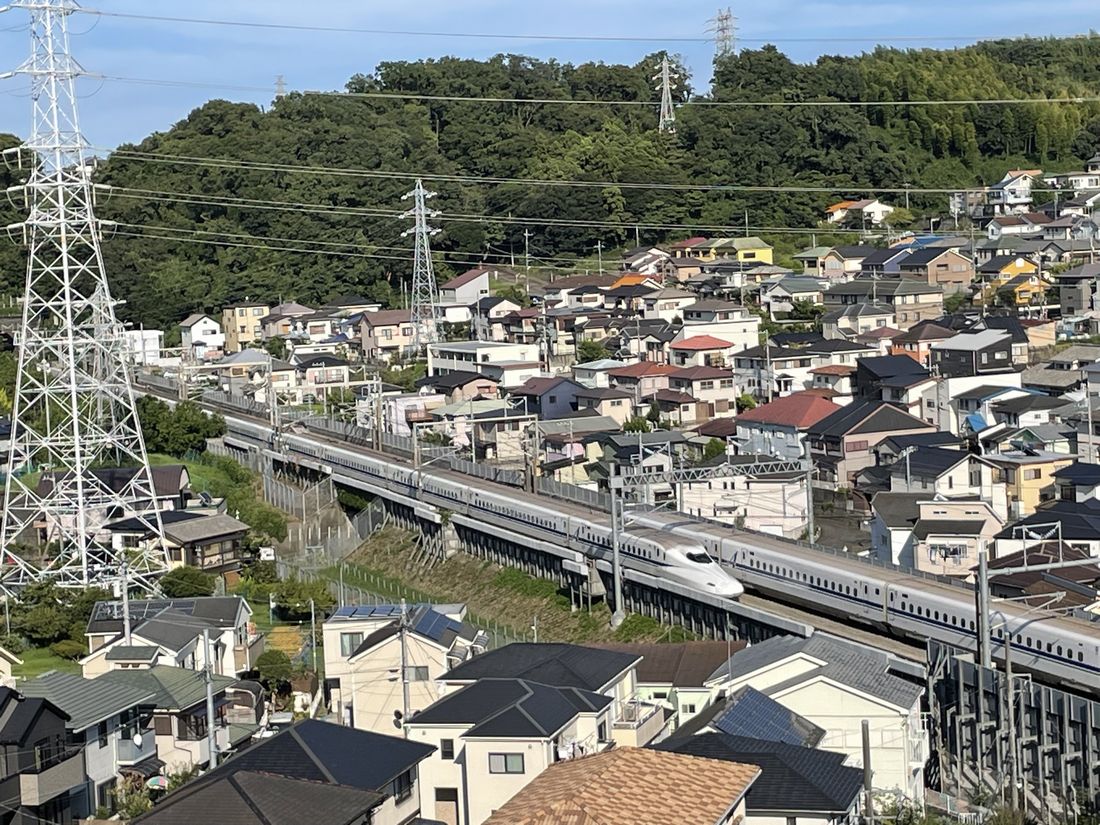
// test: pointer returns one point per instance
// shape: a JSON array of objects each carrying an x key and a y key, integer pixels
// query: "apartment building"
[{"x": 243, "y": 325}]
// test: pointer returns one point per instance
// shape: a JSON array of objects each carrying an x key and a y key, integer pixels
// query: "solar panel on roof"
[{"x": 756, "y": 716}]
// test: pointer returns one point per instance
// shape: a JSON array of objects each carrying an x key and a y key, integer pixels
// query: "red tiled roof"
[
  {"x": 642, "y": 369},
  {"x": 800, "y": 410},
  {"x": 701, "y": 342},
  {"x": 880, "y": 332},
  {"x": 833, "y": 369}
]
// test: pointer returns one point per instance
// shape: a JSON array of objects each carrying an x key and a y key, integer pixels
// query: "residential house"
[
  {"x": 834, "y": 382},
  {"x": 780, "y": 295},
  {"x": 642, "y": 379},
  {"x": 104, "y": 722},
  {"x": 1076, "y": 586},
  {"x": 490, "y": 316},
  {"x": 1000, "y": 269},
  {"x": 779, "y": 427},
  {"x": 324, "y": 374},
  {"x": 917, "y": 341},
  {"x": 493, "y": 737},
  {"x": 179, "y": 716},
  {"x": 1012, "y": 193},
  {"x": 1029, "y": 478},
  {"x": 767, "y": 372},
  {"x": 596, "y": 374},
  {"x": 468, "y": 288},
  {"x": 675, "y": 675},
  {"x": 304, "y": 774},
  {"x": 174, "y": 627},
  {"x": 842, "y": 444},
  {"x": 708, "y": 385},
  {"x": 1078, "y": 288},
  {"x": 1078, "y": 482},
  {"x": 201, "y": 337},
  {"x": 213, "y": 542},
  {"x": 765, "y": 501},
  {"x": 885, "y": 262},
  {"x": 796, "y": 784},
  {"x": 841, "y": 263},
  {"x": 840, "y": 687},
  {"x": 667, "y": 304},
  {"x": 1026, "y": 410},
  {"x": 508, "y": 364},
  {"x": 1022, "y": 291},
  {"x": 1078, "y": 524},
  {"x": 963, "y": 404},
  {"x": 949, "y": 535},
  {"x": 855, "y": 319},
  {"x": 1029, "y": 224},
  {"x": 645, "y": 260},
  {"x": 43, "y": 772},
  {"x": 894, "y": 378},
  {"x": 945, "y": 268},
  {"x": 548, "y": 398},
  {"x": 242, "y": 325},
  {"x": 457, "y": 387},
  {"x": 631, "y": 785},
  {"x": 614, "y": 403},
  {"x": 912, "y": 300},
  {"x": 893, "y": 519},
  {"x": 386, "y": 334},
  {"x": 866, "y": 212},
  {"x": 812, "y": 260},
  {"x": 1064, "y": 372},
  {"x": 700, "y": 351},
  {"x": 742, "y": 249},
  {"x": 748, "y": 712},
  {"x": 971, "y": 354},
  {"x": 364, "y": 641},
  {"x": 727, "y": 321}
]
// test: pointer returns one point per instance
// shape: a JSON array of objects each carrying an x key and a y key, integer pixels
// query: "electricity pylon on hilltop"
[
  {"x": 424, "y": 300},
  {"x": 77, "y": 458},
  {"x": 724, "y": 27},
  {"x": 667, "y": 122}
]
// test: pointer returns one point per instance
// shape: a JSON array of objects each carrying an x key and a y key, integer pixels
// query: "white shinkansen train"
[
  {"x": 686, "y": 550},
  {"x": 655, "y": 552}
]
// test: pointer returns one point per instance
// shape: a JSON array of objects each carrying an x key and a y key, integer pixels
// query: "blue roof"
[{"x": 975, "y": 422}]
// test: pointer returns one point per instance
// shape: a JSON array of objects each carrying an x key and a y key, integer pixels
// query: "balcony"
[
  {"x": 129, "y": 753},
  {"x": 53, "y": 777},
  {"x": 244, "y": 656},
  {"x": 636, "y": 723}
]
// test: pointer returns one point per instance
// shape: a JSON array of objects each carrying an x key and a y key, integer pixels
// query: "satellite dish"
[{"x": 137, "y": 740}]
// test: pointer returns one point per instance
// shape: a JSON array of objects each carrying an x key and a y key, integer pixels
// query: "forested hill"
[{"x": 343, "y": 163}]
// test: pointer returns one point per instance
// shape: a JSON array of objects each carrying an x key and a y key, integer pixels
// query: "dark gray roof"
[
  {"x": 451, "y": 380},
  {"x": 219, "y": 611},
  {"x": 512, "y": 708},
  {"x": 889, "y": 366},
  {"x": 930, "y": 462},
  {"x": 86, "y": 701},
  {"x": 926, "y": 527},
  {"x": 979, "y": 393},
  {"x": 560, "y": 665},
  {"x": 898, "y": 509},
  {"x": 792, "y": 779},
  {"x": 324, "y": 752},
  {"x": 1079, "y": 520},
  {"x": 923, "y": 257},
  {"x": 865, "y": 417},
  {"x": 1079, "y": 473},
  {"x": 127, "y": 653},
  {"x": 20, "y": 713},
  {"x": 860, "y": 668},
  {"x": 423, "y": 620},
  {"x": 936, "y": 439},
  {"x": 1028, "y": 403}
]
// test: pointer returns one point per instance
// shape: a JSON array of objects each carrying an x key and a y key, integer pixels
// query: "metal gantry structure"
[
  {"x": 665, "y": 75},
  {"x": 424, "y": 301},
  {"x": 77, "y": 457},
  {"x": 724, "y": 28}
]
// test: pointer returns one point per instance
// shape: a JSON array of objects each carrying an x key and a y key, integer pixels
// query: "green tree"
[
  {"x": 276, "y": 348},
  {"x": 714, "y": 448},
  {"x": 955, "y": 302},
  {"x": 274, "y": 666},
  {"x": 514, "y": 293},
  {"x": 186, "y": 582},
  {"x": 590, "y": 351},
  {"x": 637, "y": 424},
  {"x": 293, "y": 596},
  {"x": 745, "y": 402}
]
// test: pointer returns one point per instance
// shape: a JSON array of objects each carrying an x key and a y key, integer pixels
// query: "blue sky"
[{"x": 114, "y": 112}]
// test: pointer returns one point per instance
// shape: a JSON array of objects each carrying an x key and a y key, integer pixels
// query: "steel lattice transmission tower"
[
  {"x": 425, "y": 294},
  {"x": 668, "y": 111},
  {"x": 74, "y": 416},
  {"x": 724, "y": 27}
]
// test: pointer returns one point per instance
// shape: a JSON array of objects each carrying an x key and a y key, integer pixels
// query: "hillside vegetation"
[{"x": 850, "y": 150}]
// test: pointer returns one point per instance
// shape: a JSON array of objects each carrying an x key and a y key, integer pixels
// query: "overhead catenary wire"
[{"x": 594, "y": 38}]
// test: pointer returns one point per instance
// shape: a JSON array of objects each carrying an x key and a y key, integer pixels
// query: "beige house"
[
  {"x": 837, "y": 686},
  {"x": 363, "y": 652},
  {"x": 614, "y": 403},
  {"x": 243, "y": 324},
  {"x": 7, "y": 660},
  {"x": 949, "y": 535},
  {"x": 630, "y": 785},
  {"x": 494, "y": 736},
  {"x": 387, "y": 334}
]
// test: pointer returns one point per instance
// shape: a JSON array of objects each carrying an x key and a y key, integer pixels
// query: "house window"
[
  {"x": 417, "y": 673},
  {"x": 706, "y": 385},
  {"x": 506, "y": 763},
  {"x": 447, "y": 748},
  {"x": 257, "y": 311},
  {"x": 401, "y": 787},
  {"x": 1032, "y": 475},
  {"x": 687, "y": 709},
  {"x": 349, "y": 642},
  {"x": 553, "y": 399},
  {"x": 241, "y": 313},
  {"x": 617, "y": 403},
  {"x": 101, "y": 734}
]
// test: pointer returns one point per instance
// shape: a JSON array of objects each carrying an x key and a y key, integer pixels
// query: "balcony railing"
[
  {"x": 130, "y": 753},
  {"x": 51, "y": 777},
  {"x": 633, "y": 714}
]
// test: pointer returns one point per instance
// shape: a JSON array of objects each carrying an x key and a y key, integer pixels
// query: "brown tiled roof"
[
  {"x": 641, "y": 369},
  {"x": 701, "y": 342},
  {"x": 799, "y": 410},
  {"x": 387, "y": 317},
  {"x": 627, "y": 786},
  {"x": 833, "y": 369}
]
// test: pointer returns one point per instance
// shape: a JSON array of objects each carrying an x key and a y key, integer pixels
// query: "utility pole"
[
  {"x": 599, "y": 252},
  {"x": 667, "y": 122},
  {"x": 208, "y": 678},
  {"x": 868, "y": 775},
  {"x": 810, "y": 525},
  {"x": 527, "y": 257},
  {"x": 404, "y": 668},
  {"x": 280, "y": 86},
  {"x": 425, "y": 294},
  {"x": 615, "y": 487},
  {"x": 125, "y": 587},
  {"x": 724, "y": 27},
  {"x": 74, "y": 407}
]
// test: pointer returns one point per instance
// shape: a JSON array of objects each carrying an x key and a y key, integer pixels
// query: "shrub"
[
  {"x": 68, "y": 649},
  {"x": 186, "y": 583}
]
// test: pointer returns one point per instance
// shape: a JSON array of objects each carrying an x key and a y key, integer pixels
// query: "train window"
[
  {"x": 1049, "y": 646},
  {"x": 937, "y": 615},
  {"x": 1027, "y": 641},
  {"x": 1059, "y": 650},
  {"x": 1080, "y": 656},
  {"x": 972, "y": 626}
]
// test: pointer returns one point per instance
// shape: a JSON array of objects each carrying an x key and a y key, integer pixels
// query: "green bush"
[
  {"x": 68, "y": 649},
  {"x": 186, "y": 583},
  {"x": 274, "y": 666}
]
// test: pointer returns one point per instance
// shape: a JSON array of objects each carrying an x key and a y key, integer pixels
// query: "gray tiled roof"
[
  {"x": 859, "y": 668},
  {"x": 86, "y": 701}
]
